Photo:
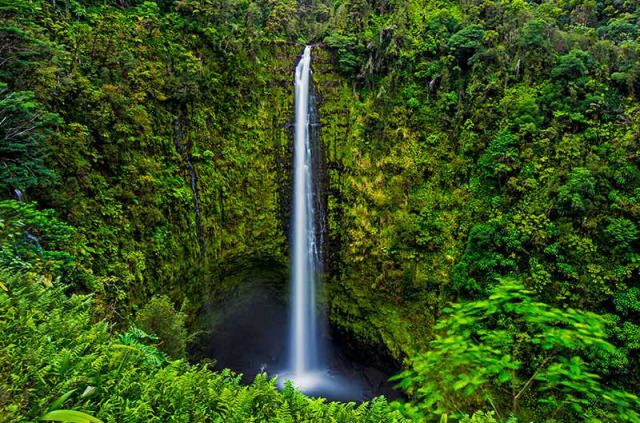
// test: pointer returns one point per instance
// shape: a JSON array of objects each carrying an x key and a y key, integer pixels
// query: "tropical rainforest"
[{"x": 480, "y": 181}]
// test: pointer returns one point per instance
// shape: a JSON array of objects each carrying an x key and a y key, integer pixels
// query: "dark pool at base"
[{"x": 248, "y": 335}]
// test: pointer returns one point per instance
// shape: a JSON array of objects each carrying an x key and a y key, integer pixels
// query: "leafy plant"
[
  {"x": 50, "y": 345},
  {"x": 160, "y": 318},
  {"x": 69, "y": 416},
  {"x": 511, "y": 342}
]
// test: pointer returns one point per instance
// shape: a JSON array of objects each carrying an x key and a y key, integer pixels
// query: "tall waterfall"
[
  {"x": 309, "y": 356},
  {"x": 304, "y": 252}
]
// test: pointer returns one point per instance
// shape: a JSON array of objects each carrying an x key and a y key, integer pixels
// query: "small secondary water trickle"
[
  {"x": 19, "y": 195},
  {"x": 33, "y": 239}
]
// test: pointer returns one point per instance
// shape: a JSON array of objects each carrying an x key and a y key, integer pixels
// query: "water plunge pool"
[{"x": 248, "y": 334}]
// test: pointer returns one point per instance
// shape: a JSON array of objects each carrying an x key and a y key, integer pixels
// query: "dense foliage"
[
  {"x": 513, "y": 344},
  {"x": 463, "y": 142},
  {"x": 53, "y": 358},
  {"x": 160, "y": 318}
]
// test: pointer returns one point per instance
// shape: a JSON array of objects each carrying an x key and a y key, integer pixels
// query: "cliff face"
[
  {"x": 451, "y": 155},
  {"x": 253, "y": 216},
  {"x": 172, "y": 154},
  {"x": 358, "y": 306},
  {"x": 173, "y": 161}
]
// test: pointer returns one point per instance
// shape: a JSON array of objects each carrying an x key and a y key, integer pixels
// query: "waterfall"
[
  {"x": 19, "y": 195},
  {"x": 33, "y": 239},
  {"x": 304, "y": 252},
  {"x": 309, "y": 355}
]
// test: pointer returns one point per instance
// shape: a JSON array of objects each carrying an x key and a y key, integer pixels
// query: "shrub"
[{"x": 161, "y": 318}]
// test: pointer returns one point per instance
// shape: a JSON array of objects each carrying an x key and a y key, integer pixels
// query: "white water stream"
[{"x": 304, "y": 257}]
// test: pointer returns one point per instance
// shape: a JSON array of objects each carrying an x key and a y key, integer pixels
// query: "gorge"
[
  {"x": 247, "y": 335},
  {"x": 475, "y": 185}
]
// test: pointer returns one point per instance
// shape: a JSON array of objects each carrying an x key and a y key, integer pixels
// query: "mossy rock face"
[
  {"x": 356, "y": 306},
  {"x": 152, "y": 136},
  {"x": 370, "y": 316},
  {"x": 245, "y": 202},
  {"x": 262, "y": 215},
  {"x": 167, "y": 121}
]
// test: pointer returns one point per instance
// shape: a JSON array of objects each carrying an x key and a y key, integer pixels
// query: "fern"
[{"x": 50, "y": 346}]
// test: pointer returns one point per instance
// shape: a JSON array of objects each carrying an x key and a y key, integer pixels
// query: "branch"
[{"x": 532, "y": 378}]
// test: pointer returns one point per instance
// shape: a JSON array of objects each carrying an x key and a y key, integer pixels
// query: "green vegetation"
[
  {"x": 54, "y": 361},
  {"x": 161, "y": 319},
  {"x": 510, "y": 343},
  {"x": 467, "y": 145}
]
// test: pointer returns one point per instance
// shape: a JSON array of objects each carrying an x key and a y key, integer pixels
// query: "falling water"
[
  {"x": 33, "y": 239},
  {"x": 307, "y": 368},
  {"x": 303, "y": 336},
  {"x": 314, "y": 364}
]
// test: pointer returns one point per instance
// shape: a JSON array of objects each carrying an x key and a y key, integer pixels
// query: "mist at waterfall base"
[
  {"x": 258, "y": 322},
  {"x": 249, "y": 332}
]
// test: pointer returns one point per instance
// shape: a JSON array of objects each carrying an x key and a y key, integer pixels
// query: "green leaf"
[
  {"x": 58, "y": 403},
  {"x": 70, "y": 416},
  {"x": 460, "y": 384}
]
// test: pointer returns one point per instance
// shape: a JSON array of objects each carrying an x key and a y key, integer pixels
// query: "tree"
[
  {"x": 621, "y": 233},
  {"x": 511, "y": 354},
  {"x": 161, "y": 318},
  {"x": 464, "y": 42},
  {"x": 500, "y": 159},
  {"x": 576, "y": 195},
  {"x": 573, "y": 65}
]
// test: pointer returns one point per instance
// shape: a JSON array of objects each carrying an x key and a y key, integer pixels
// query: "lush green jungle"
[{"x": 481, "y": 183}]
